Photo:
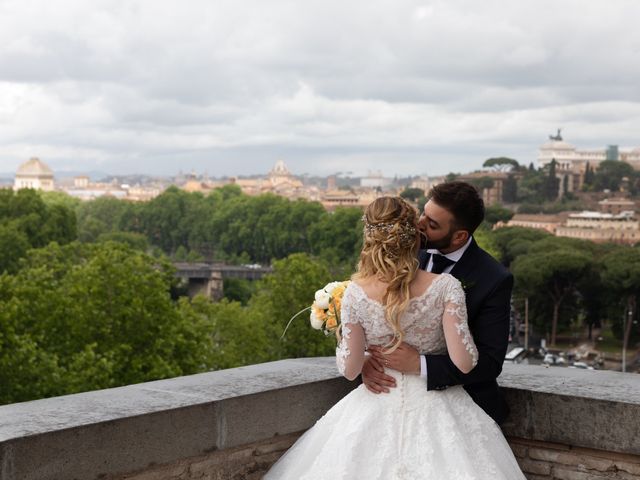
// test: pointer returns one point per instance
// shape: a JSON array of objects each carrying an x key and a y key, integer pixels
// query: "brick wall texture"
[
  {"x": 538, "y": 460},
  {"x": 552, "y": 461}
]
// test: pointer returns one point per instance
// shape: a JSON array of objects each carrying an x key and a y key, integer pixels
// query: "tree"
[
  {"x": 104, "y": 215},
  {"x": 337, "y": 237},
  {"x": 501, "y": 164},
  {"x": 511, "y": 242},
  {"x": 610, "y": 174},
  {"x": 556, "y": 272},
  {"x": 510, "y": 190},
  {"x": 497, "y": 213},
  {"x": 551, "y": 183},
  {"x": 589, "y": 177},
  {"x": 13, "y": 246},
  {"x": 621, "y": 275},
  {"x": 412, "y": 194},
  {"x": 86, "y": 316},
  {"x": 482, "y": 183},
  {"x": 284, "y": 293},
  {"x": 41, "y": 223}
]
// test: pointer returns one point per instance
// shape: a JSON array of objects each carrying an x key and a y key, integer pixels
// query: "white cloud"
[{"x": 158, "y": 86}]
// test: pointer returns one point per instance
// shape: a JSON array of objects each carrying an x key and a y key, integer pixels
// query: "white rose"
[
  {"x": 322, "y": 299},
  {"x": 315, "y": 321},
  {"x": 330, "y": 287}
]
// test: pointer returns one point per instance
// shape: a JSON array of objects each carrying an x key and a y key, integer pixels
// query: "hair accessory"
[{"x": 407, "y": 230}]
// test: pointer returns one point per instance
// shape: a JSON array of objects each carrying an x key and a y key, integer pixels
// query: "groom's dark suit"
[{"x": 487, "y": 286}]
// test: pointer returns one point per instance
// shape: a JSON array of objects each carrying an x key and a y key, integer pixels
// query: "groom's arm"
[{"x": 491, "y": 335}]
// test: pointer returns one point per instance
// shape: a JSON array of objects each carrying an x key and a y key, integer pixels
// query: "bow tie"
[{"x": 440, "y": 262}]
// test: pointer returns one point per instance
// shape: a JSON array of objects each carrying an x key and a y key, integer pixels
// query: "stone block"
[
  {"x": 531, "y": 466},
  {"x": 629, "y": 467},
  {"x": 561, "y": 473},
  {"x": 519, "y": 450}
]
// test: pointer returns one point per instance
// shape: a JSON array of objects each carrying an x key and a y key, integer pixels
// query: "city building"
[
  {"x": 602, "y": 227},
  {"x": 540, "y": 221},
  {"x": 571, "y": 163},
  {"x": 616, "y": 206},
  {"x": 34, "y": 173},
  {"x": 493, "y": 194},
  {"x": 375, "y": 180}
]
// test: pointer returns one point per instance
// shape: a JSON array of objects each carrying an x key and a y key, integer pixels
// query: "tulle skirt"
[{"x": 409, "y": 433}]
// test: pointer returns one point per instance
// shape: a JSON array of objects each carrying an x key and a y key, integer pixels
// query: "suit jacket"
[{"x": 487, "y": 286}]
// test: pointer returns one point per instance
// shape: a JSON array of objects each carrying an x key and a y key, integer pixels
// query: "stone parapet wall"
[
  {"x": 233, "y": 424},
  {"x": 551, "y": 461},
  {"x": 248, "y": 462}
]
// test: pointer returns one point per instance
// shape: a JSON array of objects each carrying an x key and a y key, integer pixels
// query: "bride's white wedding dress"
[{"x": 409, "y": 433}]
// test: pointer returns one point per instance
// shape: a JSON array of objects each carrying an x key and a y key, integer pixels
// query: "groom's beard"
[{"x": 444, "y": 242}]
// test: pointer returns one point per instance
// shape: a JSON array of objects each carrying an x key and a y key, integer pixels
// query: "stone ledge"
[
  {"x": 111, "y": 433},
  {"x": 582, "y": 408}
]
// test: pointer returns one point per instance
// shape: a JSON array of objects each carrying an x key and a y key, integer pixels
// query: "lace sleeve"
[
  {"x": 350, "y": 350},
  {"x": 460, "y": 345}
]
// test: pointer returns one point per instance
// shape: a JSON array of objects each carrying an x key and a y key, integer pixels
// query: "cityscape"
[{"x": 184, "y": 188}]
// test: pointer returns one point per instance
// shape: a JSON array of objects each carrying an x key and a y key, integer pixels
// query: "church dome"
[
  {"x": 280, "y": 169},
  {"x": 34, "y": 167}
]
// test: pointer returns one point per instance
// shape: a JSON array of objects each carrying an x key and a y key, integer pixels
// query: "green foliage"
[
  {"x": 552, "y": 268},
  {"x": 238, "y": 290},
  {"x": 482, "y": 183},
  {"x": 137, "y": 241},
  {"x": 551, "y": 183},
  {"x": 104, "y": 215},
  {"x": 238, "y": 337},
  {"x": 501, "y": 163},
  {"x": 610, "y": 174},
  {"x": 510, "y": 190},
  {"x": 512, "y": 242},
  {"x": 497, "y": 213},
  {"x": 451, "y": 177},
  {"x": 13, "y": 246},
  {"x": 337, "y": 237},
  {"x": 26, "y": 221},
  {"x": 485, "y": 239},
  {"x": 412, "y": 194},
  {"x": 81, "y": 317},
  {"x": 621, "y": 276},
  {"x": 280, "y": 296}
]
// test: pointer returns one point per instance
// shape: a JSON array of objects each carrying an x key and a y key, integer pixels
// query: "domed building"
[
  {"x": 34, "y": 174},
  {"x": 280, "y": 174}
]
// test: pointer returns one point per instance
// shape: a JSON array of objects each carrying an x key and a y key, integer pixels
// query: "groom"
[{"x": 451, "y": 215}]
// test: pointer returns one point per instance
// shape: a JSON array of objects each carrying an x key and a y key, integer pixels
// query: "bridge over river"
[{"x": 208, "y": 278}]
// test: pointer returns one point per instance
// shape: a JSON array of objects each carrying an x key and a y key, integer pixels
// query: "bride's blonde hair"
[{"x": 389, "y": 254}]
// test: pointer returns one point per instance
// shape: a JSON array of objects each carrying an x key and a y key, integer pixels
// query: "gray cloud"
[{"x": 401, "y": 86}]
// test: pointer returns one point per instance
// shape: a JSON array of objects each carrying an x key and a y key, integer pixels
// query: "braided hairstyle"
[{"x": 389, "y": 254}]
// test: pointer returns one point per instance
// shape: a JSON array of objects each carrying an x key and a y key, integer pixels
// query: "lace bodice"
[{"x": 434, "y": 322}]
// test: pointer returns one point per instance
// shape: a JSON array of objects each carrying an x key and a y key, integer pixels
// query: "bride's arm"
[
  {"x": 350, "y": 350},
  {"x": 460, "y": 345}
]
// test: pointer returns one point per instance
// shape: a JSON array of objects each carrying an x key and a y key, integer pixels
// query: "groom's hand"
[
  {"x": 374, "y": 378},
  {"x": 405, "y": 358}
]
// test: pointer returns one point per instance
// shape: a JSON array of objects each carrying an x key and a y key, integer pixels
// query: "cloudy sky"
[{"x": 228, "y": 87}]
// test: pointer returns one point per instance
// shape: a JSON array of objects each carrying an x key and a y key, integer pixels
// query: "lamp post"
[
  {"x": 625, "y": 337},
  {"x": 526, "y": 324}
]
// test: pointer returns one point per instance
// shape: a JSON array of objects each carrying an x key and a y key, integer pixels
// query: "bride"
[{"x": 409, "y": 433}]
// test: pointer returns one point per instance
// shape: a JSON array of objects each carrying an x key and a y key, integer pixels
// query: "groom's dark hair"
[{"x": 462, "y": 200}]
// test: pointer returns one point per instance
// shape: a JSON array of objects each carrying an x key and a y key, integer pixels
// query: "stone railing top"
[
  {"x": 602, "y": 385},
  {"x": 110, "y": 432},
  {"x": 70, "y": 411}
]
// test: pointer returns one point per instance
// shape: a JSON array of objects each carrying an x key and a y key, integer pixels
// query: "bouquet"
[{"x": 325, "y": 310}]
